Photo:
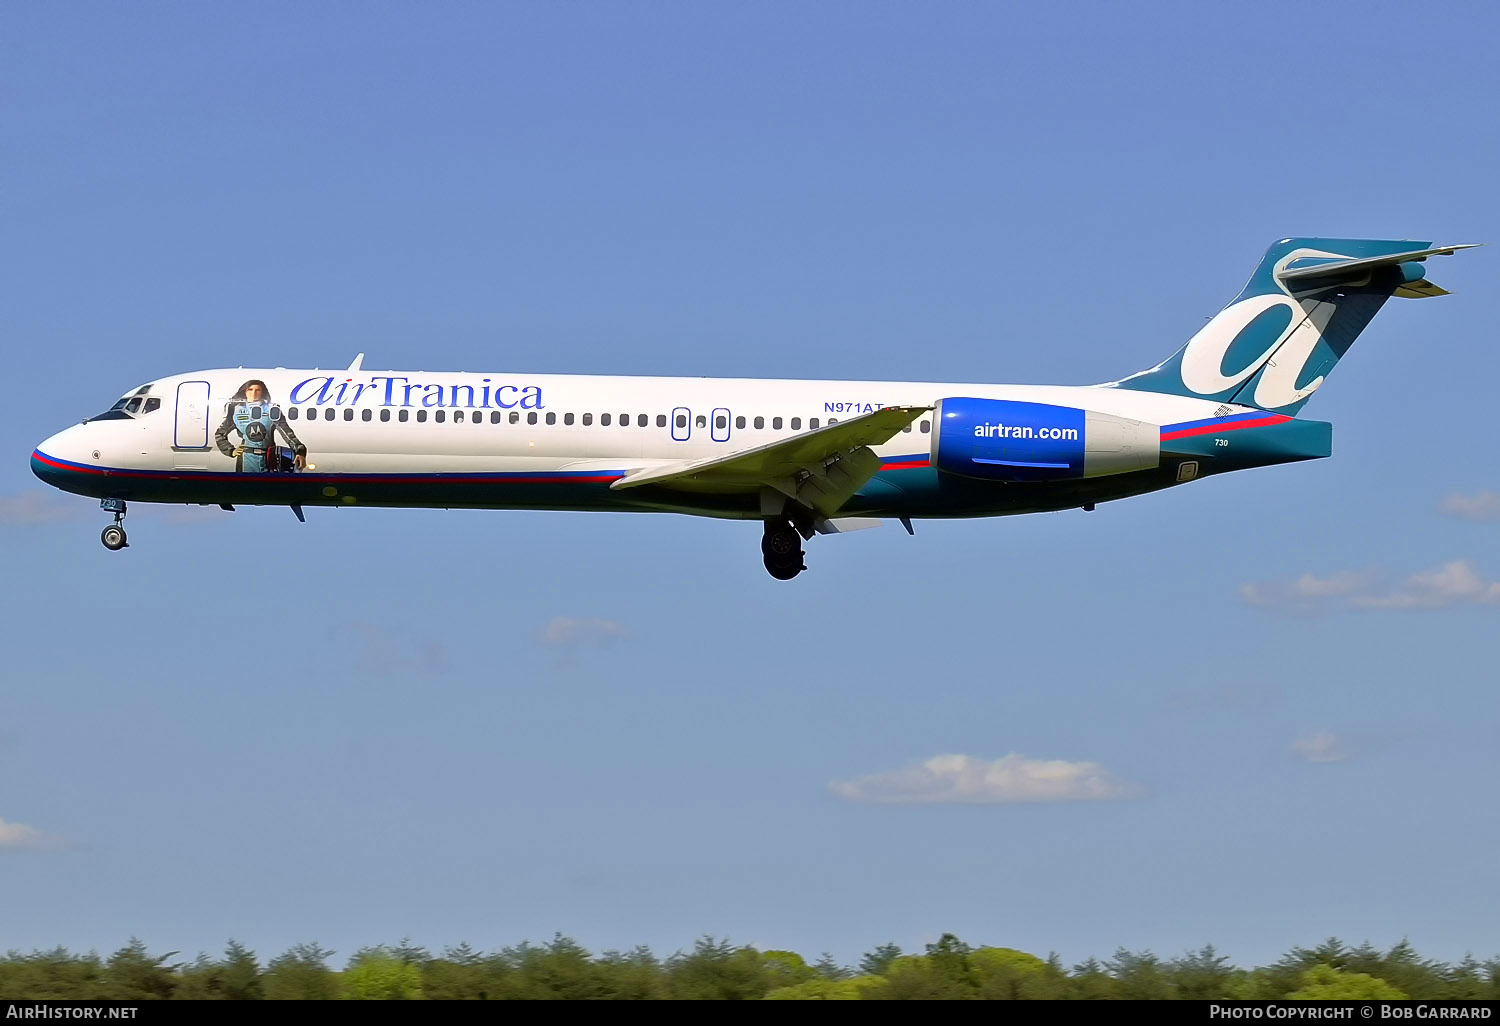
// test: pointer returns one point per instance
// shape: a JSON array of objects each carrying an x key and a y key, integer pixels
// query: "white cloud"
[
  {"x": 1307, "y": 591},
  {"x": 36, "y": 507},
  {"x": 1455, "y": 583},
  {"x": 1321, "y": 746},
  {"x": 19, "y": 835},
  {"x": 564, "y": 631},
  {"x": 1479, "y": 506},
  {"x": 965, "y": 779}
]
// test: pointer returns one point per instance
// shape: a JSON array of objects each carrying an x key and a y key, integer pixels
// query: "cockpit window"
[
  {"x": 134, "y": 406},
  {"x": 152, "y": 405},
  {"x": 143, "y": 390},
  {"x": 115, "y": 412}
]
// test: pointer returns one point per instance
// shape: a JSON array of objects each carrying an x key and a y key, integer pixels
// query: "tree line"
[{"x": 718, "y": 970}]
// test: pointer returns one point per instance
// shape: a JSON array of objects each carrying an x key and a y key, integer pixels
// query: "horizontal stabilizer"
[
  {"x": 1309, "y": 269},
  {"x": 1423, "y": 289}
]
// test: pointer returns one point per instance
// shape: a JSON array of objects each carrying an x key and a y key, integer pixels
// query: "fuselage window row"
[{"x": 680, "y": 421}]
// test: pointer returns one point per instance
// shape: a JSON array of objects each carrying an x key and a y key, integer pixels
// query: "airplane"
[{"x": 802, "y": 457}]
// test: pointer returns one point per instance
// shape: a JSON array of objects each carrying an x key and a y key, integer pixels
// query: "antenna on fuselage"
[{"x": 358, "y": 362}]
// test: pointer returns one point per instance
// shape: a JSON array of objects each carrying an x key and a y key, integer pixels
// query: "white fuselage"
[{"x": 363, "y": 422}]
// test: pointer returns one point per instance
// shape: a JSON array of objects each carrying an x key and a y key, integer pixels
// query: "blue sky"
[{"x": 489, "y": 727}]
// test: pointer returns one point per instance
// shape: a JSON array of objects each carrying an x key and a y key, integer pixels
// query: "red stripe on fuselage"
[
  {"x": 500, "y": 477},
  {"x": 79, "y": 469},
  {"x": 1237, "y": 425}
]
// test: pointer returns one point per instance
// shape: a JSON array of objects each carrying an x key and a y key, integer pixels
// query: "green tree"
[
  {"x": 235, "y": 977},
  {"x": 829, "y": 969},
  {"x": 876, "y": 962},
  {"x": 785, "y": 969},
  {"x": 1405, "y": 970},
  {"x": 301, "y": 973},
  {"x": 1091, "y": 983},
  {"x": 1139, "y": 975},
  {"x": 463, "y": 974},
  {"x": 718, "y": 971},
  {"x": 1201, "y": 975},
  {"x": 134, "y": 974},
  {"x": 1473, "y": 980},
  {"x": 378, "y": 974},
  {"x": 823, "y": 989},
  {"x": 631, "y": 975},
  {"x": 944, "y": 975},
  {"x": 559, "y": 970},
  {"x": 52, "y": 975},
  {"x": 1005, "y": 974},
  {"x": 1325, "y": 983}
]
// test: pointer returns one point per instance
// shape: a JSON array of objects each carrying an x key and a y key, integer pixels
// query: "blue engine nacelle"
[{"x": 1006, "y": 440}]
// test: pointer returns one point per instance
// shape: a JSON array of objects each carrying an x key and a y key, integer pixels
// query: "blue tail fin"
[{"x": 1300, "y": 312}]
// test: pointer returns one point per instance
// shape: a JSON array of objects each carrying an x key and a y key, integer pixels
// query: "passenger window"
[
  {"x": 682, "y": 420},
  {"x": 926, "y": 427},
  {"x": 385, "y": 415},
  {"x": 701, "y": 420},
  {"x": 739, "y": 422},
  {"x": 152, "y": 405},
  {"x": 349, "y": 414},
  {"x": 551, "y": 418},
  {"x": 403, "y": 415},
  {"x": 720, "y": 423},
  {"x": 813, "y": 423},
  {"x": 438, "y": 415},
  {"x": 588, "y": 418},
  {"x": 775, "y": 423},
  {"x": 421, "y": 416},
  {"x": 515, "y": 418},
  {"x": 291, "y": 414},
  {"x": 624, "y": 420},
  {"x": 796, "y": 424},
  {"x": 661, "y": 420},
  {"x": 328, "y": 413},
  {"x": 494, "y": 416},
  {"x": 604, "y": 420},
  {"x": 567, "y": 420},
  {"x": 366, "y": 415},
  {"x": 831, "y": 420},
  {"x": 760, "y": 423},
  {"x": 642, "y": 420},
  {"x": 134, "y": 406},
  {"x": 458, "y": 416}
]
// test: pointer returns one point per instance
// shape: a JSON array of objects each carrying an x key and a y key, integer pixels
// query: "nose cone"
[{"x": 65, "y": 461}]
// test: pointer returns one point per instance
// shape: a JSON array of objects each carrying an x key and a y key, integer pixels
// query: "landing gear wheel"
[
  {"x": 784, "y": 571},
  {"x": 781, "y": 547},
  {"x": 113, "y": 537},
  {"x": 780, "y": 541}
]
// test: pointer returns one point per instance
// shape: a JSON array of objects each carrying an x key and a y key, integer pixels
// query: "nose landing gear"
[
  {"x": 781, "y": 547},
  {"x": 113, "y": 536}
]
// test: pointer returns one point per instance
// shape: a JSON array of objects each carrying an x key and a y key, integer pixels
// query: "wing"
[{"x": 820, "y": 468}]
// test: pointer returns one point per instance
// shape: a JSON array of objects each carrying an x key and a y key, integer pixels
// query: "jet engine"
[{"x": 1006, "y": 440}]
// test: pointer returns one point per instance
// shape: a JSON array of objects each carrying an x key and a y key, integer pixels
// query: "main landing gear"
[
  {"x": 113, "y": 536},
  {"x": 781, "y": 546}
]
